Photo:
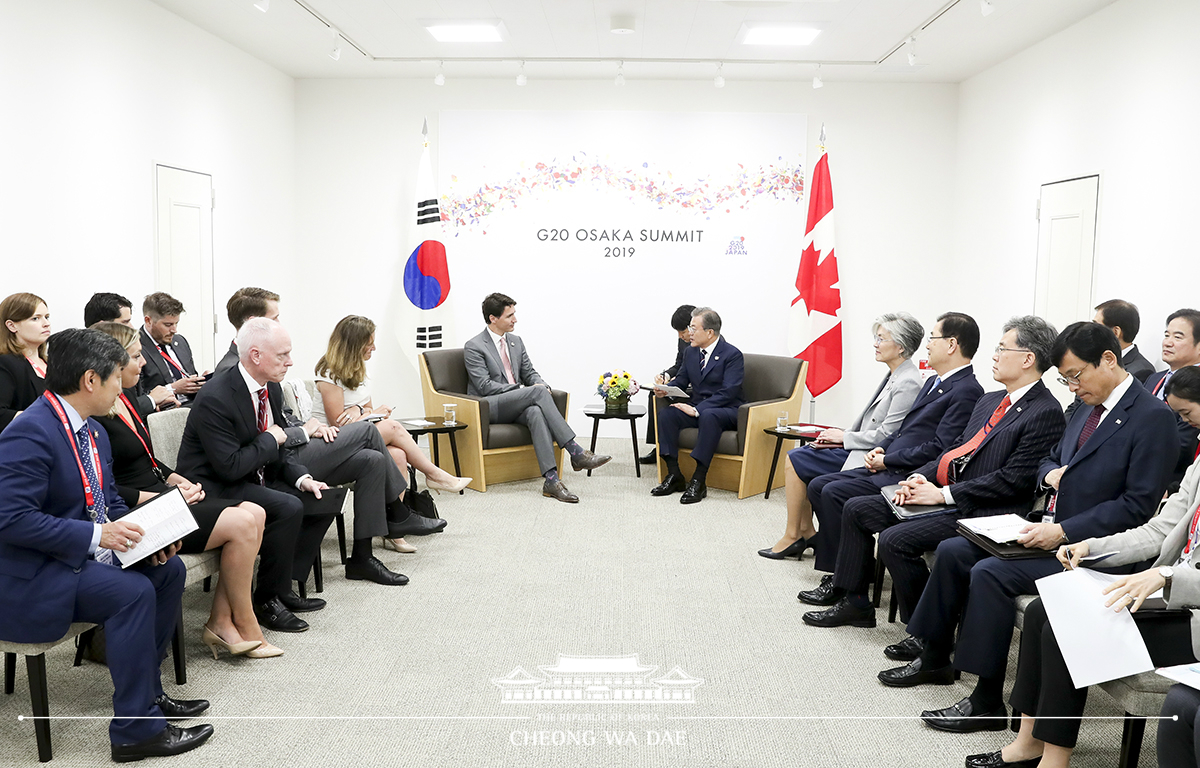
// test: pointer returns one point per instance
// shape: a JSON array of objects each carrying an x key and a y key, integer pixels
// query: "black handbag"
[{"x": 422, "y": 504}]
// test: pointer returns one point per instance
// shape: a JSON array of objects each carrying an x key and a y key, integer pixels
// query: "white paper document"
[
  {"x": 1002, "y": 529},
  {"x": 1188, "y": 674},
  {"x": 418, "y": 423},
  {"x": 1098, "y": 643},
  {"x": 165, "y": 519},
  {"x": 671, "y": 391}
]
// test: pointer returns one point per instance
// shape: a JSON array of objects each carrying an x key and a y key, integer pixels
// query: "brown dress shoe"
[
  {"x": 556, "y": 490},
  {"x": 589, "y": 461}
]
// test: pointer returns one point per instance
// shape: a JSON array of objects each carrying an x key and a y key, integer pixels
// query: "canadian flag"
[{"x": 815, "y": 330}]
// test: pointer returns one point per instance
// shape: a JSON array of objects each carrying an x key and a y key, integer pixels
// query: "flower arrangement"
[{"x": 616, "y": 386}]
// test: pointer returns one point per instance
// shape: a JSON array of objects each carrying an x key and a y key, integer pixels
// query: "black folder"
[{"x": 1012, "y": 551}]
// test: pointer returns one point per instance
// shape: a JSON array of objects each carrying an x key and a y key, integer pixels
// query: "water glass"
[
  {"x": 448, "y": 411},
  {"x": 781, "y": 421}
]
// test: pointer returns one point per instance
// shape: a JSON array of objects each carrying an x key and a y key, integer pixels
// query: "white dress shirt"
[{"x": 255, "y": 388}]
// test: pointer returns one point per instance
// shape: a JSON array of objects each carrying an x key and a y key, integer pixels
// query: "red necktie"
[
  {"x": 508, "y": 371},
  {"x": 943, "y": 470},
  {"x": 1089, "y": 426},
  {"x": 262, "y": 425}
]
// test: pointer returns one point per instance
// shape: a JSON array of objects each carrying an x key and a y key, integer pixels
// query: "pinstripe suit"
[{"x": 1001, "y": 477}]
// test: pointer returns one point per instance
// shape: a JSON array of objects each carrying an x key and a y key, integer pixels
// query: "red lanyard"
[
  {"x": 167, "y": 357},
  {"x": 133, "y": 429},
  {"x": 41, "y": 372},
  {"x": 87, "y": 487},
  {"x": 1192, "y": 530}
]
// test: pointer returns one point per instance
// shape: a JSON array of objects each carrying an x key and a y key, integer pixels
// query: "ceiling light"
[
  {"x": 986, "y": 7},
  {"x": 263, "y": 5},
  {"x": 440, "y": 77},
  {"x": 912, "y": 51},
  {"x": 621, "y": 25},
  {"x": 465, "y": 32},
  {"x": 718, "y": 81},
  {"x": 336, "y": 53},
  {"x": 521, "y": 79},
  {"x": 817, "y": 79},
  {"x": 780, "y": 35},
  {"x": 620, "y": 74}
]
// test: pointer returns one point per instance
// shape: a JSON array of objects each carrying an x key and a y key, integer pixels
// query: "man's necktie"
[
  {"x": 262, "y": 426},
  {"x": 1161, "y": 386},
  {"x": 943, "y": 470},
  {"x": 173, "y": 368},
  {"x": 703, "y": 358},
  {"x": 504, "y": 358},
  {"x": 1089, "y": 426},
  {"x": 89, "y": 468}
]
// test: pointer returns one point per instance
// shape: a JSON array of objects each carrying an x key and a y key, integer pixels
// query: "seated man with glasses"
[{"x": 1106, "y": 475}]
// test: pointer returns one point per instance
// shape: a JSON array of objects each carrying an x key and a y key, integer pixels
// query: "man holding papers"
[
  {"x": 59, "y": 529},
  {"x": 1044, "y": 688},
  {"x": 1106, "y": 475}
]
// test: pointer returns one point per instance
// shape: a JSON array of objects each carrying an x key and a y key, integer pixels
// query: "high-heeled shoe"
[
  {"x": 264, "y": 651},
  {"x": 398, "y": 545},
  {"x": 453, "y": 485},
  {"x": 796, "y": 550},
  {"x": 213, "y": 641}
]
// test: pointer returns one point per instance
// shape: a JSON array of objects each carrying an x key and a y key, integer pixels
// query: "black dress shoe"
[
  {"x": 906, "y": 650},
  {"x": 696, "y": 491},
  {"x": 795, "y": 549},
  {"x": 994, "y": 760},
  {"x": 962, "y": 718},
  {"x": 297, "y": 604},
  {"x": 556, "y": 490},
  {"x": 841, "y": 614},
  {"x": 912, "y": 674},
  {"x": 824, "y": 594},
  {"x": 171, "y": 740},
  {"x": 415, "y": 525},
  {"x": 373, "y": 570},
  {"x": 588, "y": 460},
  {"x": 273, "y": 615},
  {"x": 178, "y": 709},
  {"x": 672, "y": 483},
  {"x": 649, "y": 458}
]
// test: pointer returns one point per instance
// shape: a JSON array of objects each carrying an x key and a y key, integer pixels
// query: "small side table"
[
  {"x": 780, "y": 436},
  {"x": 634, "y": 412},
  {"x": 438, "y": 427}
]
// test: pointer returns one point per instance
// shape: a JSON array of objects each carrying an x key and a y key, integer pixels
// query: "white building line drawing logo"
[{"x": 591, "y": 679}]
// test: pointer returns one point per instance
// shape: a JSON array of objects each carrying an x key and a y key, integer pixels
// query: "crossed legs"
[{"x": 239, "y": 532}]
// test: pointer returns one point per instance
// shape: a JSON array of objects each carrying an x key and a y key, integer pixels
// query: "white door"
[
  {"x": 1066, "y": 251},
  {"x": 183, "y": 260}
]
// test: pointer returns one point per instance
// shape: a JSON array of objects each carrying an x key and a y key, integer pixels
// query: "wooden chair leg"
[
  {"x": 318, "y": 575},
  {"x": 40, "y": 701},
  {"x": 81, "y": 644},
  {"x": 302, "y": 588},
  {"x": 341, "y": 531},
  {"x": 1131, "y": 740},
  {"x": 179, "y": 649},
  {"x": 893, "y": 606},
  {"x": 879, "y": 569},
  {"x": 10, "y": 672}
]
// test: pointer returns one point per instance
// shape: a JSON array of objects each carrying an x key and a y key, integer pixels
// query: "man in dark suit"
[
  {"x": 499, "y": 370},
  {"x": 1124, "y": 320},
  {"x": 168, "y": 356},
  {"x": 116, "y": 308},
  {"x": 936, "y": 418},
  {"x": 1180, "y": 348},
  {"x": 1106, "y": 475},
  {"x": 714, "y": 369},
  {"x": 679, "y": 322},
  {"x": 233, "y": 445},
  {"x": 60, "y": 528},
  {"x": 999, "y": 477},
  {"x": 245, "y": 304}
]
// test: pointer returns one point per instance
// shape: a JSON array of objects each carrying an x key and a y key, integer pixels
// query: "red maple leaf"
[{"x": 815, "y": 282}]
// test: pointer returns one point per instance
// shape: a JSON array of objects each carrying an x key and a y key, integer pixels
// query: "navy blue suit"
[
  {"x": 1187, "y": 435},
  {"x": 48, "y": 580},
  {"x": 716, "y": 395},
  {"x": 1113, "y": 483},
  {"x": 936, "y": 418}
]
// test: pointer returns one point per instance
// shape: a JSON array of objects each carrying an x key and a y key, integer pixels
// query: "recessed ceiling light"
[
  {"x": 780, "y": 35},
  {"x": 621, "y": 25},
  {"x": 465, "y": 31}
]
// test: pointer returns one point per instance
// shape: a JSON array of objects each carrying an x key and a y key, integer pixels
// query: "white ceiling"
[{"x": 674, "y": 39}]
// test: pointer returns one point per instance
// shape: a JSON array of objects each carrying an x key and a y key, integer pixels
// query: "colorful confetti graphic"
[{"x": 781, "y": 181}]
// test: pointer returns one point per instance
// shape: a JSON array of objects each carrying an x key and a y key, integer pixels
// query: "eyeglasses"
[
  {"x": 880, "y": 340},
  {"x": 1001, "y": 349},
  {"x": 1068, "y": 380},
  {"x": 932, "y": 337}
]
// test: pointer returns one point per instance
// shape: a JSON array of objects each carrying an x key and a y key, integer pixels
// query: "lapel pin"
[{"x": 1118, "y": 421}]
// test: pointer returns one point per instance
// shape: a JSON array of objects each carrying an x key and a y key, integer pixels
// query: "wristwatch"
[{"x": 1166, "y": 572}]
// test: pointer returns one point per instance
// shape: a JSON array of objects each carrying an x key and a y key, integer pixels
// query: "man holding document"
[
  {"x": 60, "y": 530},
  {"x": 1044, "y": 688},
  {"x": 1107, "y": 474}
]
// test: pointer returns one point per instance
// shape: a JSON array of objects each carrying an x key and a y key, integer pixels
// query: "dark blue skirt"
[{"x": 811, "y": 462}]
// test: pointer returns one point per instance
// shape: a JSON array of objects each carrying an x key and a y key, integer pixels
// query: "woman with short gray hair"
[{"x": 897, "y": 335}]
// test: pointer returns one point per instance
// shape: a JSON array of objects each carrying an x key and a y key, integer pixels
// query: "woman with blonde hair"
[
  {"x": 236, "y": 527},
  {"x": 342, "y": 383},
  {"x": 26, "y": 324}
]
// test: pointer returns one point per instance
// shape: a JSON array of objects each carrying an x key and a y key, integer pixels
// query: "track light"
[
  {"x": 986, "y": 7},
  {"x": 620, "y": 74},
  {"x": 263, "y": 5},
  {"x": 336, "y": 53},
  {"x": 912, "y": 51},
  {"x": 817, "y": 79},
  {"x": 521, "y": 79},
  {"x": 718, "y": 81},
  {"x": 440, "y": 77}
]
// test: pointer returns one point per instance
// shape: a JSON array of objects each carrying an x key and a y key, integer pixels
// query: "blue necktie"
[{"x": 89, "y": 468}]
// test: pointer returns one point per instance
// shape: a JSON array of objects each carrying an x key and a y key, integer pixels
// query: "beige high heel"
[
  {"x": 453, "y": 485},
  {"x": 398, "y": 545},
  {"x": 265, "y": 651},
  {"x": 213, "y": 641}
]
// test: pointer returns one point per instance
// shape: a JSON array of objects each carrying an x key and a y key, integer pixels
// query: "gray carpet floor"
[{"x": 404, "y": 676}]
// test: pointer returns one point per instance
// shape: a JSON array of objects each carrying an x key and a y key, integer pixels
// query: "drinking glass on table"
[
  {"x": 448, "y": 412},
  {"x": 781, "y": 421}
]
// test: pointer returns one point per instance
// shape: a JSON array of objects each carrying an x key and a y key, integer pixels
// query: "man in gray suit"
[{"x": 499, "y": 370}]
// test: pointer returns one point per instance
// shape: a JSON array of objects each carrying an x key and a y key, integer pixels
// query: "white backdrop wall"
[
  {"x": 1114, "y": 94},
  {"x": 892, "y": 156},
  {"x": 96, "y": 93}
]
